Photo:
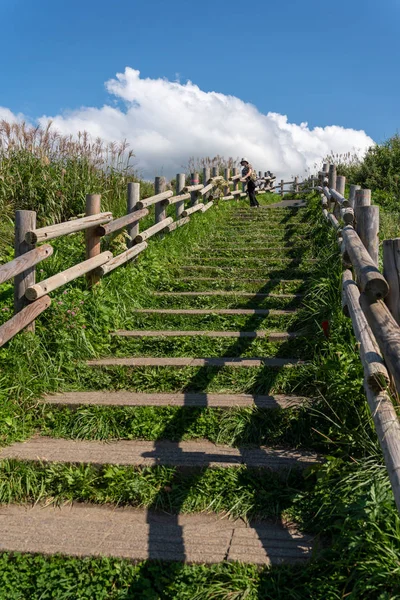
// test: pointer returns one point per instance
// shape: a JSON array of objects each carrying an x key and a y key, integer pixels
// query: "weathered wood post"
[
  {"x": 282, "y": 184},
  {"x": 235, "y": 183},
  {"x": 227, "y": 174},
  {"x": 132, "y": 199},
  {"x": 194, "y": 197},
  {"x": 180, "y": 184},
  {"x": 391, "y": 272},
  {"x": 25, "y": 220},
  {"x": 332, "y": 177},
  {"x": 93, "y": 207},
  {"x": 367, "y": 222},
  {"x": 341, "y": 184},
  {"x": 368, "y": 229},
  {"x": 352, "y": 194},
  {"x": 332, "y": 183},
  {"x": 160, "y": 209},
  {"x": 362, "y": 198},
  {"x": 296, "y": 185},
  {"x": 312, "y": 182},
  {"x": 206, "y": 177},
  {"x": 215, "y": 171},
  {"x": 260, "y": 174}
]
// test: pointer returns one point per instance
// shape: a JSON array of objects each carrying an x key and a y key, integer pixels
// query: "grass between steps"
[{"x": 348, "y": 500}]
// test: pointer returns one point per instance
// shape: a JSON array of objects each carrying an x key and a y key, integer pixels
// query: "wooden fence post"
[
  {"x": 296, "y": 185},
  {"x": 391, "y": 272},
  {"x": 93, "y": 207},
  {"x": 206, "y": 177},
  {"x": 25, "y": 220},
  {"x": 132, "y": 200},
  {"x": 368, "y": 229},
  {"x": 227, "y": 174},
  {"x": 160, "y": 209},
  {"x": 282, "y": 184},
  {"x": 332, "y": 177},
  {"x": 352, "y": 194},
  {"x": 180, "y": 184},
  {"x": 194, "y": 196},
  {"x": 215, "y": 171},
  {"x": 235, "y": 183},
  {"x": 341, "y": 184}
]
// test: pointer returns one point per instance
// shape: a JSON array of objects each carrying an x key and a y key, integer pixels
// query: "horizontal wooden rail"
[
  {"x": 178, "y": 223},
  {"x": 215, "y": 179},
  {"x": 54, "y": 231},
  {"x": 371, "y": 281},
  {"x": 122, "y": 222},
  {"x": 25, "y": 261},
  {"x": 386, "y": 332},
  {"x": 22, "y": 319},
  {"x": 388, "y": 431},
  {"x": 179, "y": 198},
  {"x": 192, "y": 188},
  {"x": 207, "y": 206},
  {"x": 52, "y": 283},
  {"x": 154, "y": 199},
  {"x": 375, "y": 372},
  {"x": 145, "y": 235},
  {"x": 121, "y": 259},
  {"x": 206, "y": 189},
  {"x": 339, "y": 198},
  {"x": 192, "y": 209}
]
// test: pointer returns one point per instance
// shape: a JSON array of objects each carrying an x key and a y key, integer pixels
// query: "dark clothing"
[{"x": 251, "y": 186}]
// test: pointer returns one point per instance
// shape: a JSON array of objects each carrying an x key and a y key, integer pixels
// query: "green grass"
[{"x": 348, "y": 499}]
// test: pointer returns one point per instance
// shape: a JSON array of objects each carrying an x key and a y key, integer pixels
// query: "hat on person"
[{"x": 244, "y": 160}]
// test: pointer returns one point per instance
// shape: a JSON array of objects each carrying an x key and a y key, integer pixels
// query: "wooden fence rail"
[
  {"x": 31, "y": 298},
  {"x": 375, "y": 323}
]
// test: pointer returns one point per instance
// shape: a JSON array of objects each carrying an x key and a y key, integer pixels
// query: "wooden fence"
[
  {"x": 31, "y": 298},
  {"x": 371, "y": 299}
]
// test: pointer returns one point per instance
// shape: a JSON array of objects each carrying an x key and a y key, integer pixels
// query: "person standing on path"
[{"x": 249, "y": 176}]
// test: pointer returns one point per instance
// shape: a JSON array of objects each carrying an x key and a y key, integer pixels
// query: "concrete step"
[
  {"x": 90, "y": 530},
  {"x": 187, "y": 454},
  {"x": 273, "y": 336},
  {"x": 188, "y": 399},
  {"x": 188, "y": 361}
]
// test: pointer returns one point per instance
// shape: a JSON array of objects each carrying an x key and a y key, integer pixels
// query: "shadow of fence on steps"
[{"x": 263, "y": 383}]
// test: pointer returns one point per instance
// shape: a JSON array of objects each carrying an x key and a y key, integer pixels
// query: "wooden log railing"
[
  {"x": 371, "y": 300},
  {"x": 31, "y": 298}
]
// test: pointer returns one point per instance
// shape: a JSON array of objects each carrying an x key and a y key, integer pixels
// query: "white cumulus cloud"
[{"x": 166, "y": 122}]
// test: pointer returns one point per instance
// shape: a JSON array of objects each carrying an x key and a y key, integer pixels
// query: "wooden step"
[
  {"x": 264, "y": 260},
  {"x": 138, "y": 453},
  {"x": 214, "y": 311},
  {"x": 189, "y": 361},
  {"x": 188, "y": 399},
  {"x": 229, "y": 268},
  {"x": 273, "y": 336},
  {"x": 265, "y": 281},
  {"x": 230, "y": 293},
  {"x": 137, "y": 535}
]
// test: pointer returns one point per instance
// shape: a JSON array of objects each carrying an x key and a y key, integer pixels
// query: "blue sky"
[{"x": 324, "y": 63}]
